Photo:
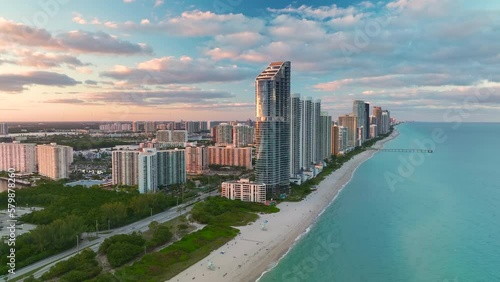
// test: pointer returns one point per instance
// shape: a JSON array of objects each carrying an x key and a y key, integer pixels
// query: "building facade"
[
  {"x": 335, "y": 140},
  {"x": 244, "y": 190},
  {"x": 377, "y": 112},
  {"x": 325, "y": 136},
  {"x": 54, "y": 160},
  {"x": 230, "y": 156},
  {"x": 272, "y": 128},
  {"x": 19, "y": 156},
  {"x": 243, "y": 135},
  {"x": 4, "y": 129},
  {"x": 148, "y": 174},
  {"x": 125, "y": 167},
  {"x": 358, "y": 109},
  {"x": 224, "y": 134},
  {"x": 351, "y": 123},
  {"x": 196, "y": 160},
  {"x": 295, "y": 135}
]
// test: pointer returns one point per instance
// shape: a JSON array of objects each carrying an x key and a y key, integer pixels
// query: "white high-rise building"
[
  {"x": 359, "y": 110},
  {"x": 306, "y": 135},
  {"x": 148, "y": 174},
  {"x": 54, "y": 160},
  {"x": 325, "y": 136},
  {"x": 343, "y": 138},
  {"x": 386, "y": 121},
  {"x": 4, "y": 129},
  {"x": 244, "y": 190},
  {"x": 373, "y": 131},
  {"x": 295, "y": 135},
  {"x": 316, "y": 128},
  {"x": 19, "y": 156}
]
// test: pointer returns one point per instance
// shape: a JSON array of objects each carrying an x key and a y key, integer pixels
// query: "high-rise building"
[
  {"x": 377, "y": 112},
  {"x": 125, "y": 167},
  {"x": 343, "y": 138},
  {"x": 244, "y": 190},
  {"x": 242, "y": 135},
  {"x": 21, "y": 157},
  {"x": 137, "y": 126},
  {"x": 196, "y": 160},
  {"x": 224, "y": 134},
  {"x": 351, "y": 123},
  {"x": 171, "y": 167},
  {"x": 272, "y": 93},
  {"x": 230, "y": 156},
  {"x": 373, "y": 131},
  {"x": 335, "y": 140},
  {"x": 358, "y": 109},
  {"x": 295, "y": 135},
  {"x": 316, "y": 128},
  {"x": 325, "y": 136},
  {"x": 386, "y": 121},
  {"x": 367, "y": 121},
  {"x": 148, "y": 174},
  {"x": 54, "y": 160},
  {"x": 4, "y": 129},
  {"x": 306, "y": 135}
]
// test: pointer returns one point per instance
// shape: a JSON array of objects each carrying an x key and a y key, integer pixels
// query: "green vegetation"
[
  {"x": 70, "y": 211},
  {"x": 299, "y": 192},
  {"x": 122, "y": 248},
  {"x": 220, "y": 214},
  {"x": 222, "y": 211},
  {"x": 165, "y": 264},
  {"x": 226, "y": 167},
  {"x": 79, "y": 268}
]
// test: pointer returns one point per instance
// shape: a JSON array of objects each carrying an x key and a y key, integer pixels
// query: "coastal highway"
[{"x": 141, "y": 225}]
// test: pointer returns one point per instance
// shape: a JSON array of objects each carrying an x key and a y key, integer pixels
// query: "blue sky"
[{"x": 197, "y": 60}]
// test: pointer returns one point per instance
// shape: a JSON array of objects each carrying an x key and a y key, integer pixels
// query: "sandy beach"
[{"x": 255, "y": 250}]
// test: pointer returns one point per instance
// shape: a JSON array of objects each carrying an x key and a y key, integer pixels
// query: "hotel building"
[
  {"x": 21, "y": 157},
  {"x": 230, "y": 156},
  {"x": 244, "y": 190},
  {"x": 54, "y": 160}
]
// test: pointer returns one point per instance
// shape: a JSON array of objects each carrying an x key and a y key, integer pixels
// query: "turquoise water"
[{"x": 439, "y": 221}]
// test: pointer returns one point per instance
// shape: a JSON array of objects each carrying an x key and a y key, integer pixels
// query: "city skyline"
[{"x": 169, "y": 61}]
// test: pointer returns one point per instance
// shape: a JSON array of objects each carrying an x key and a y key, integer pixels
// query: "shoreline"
[{"x": 254, "y": 252}]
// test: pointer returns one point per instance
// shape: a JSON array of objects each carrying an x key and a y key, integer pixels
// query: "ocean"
[{"x": 411, "y": 216}]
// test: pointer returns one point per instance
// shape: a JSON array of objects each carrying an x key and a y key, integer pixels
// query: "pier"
[{"x": 403, "y": 150}]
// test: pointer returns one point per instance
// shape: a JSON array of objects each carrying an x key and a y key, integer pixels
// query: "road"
[{"x": 141, "y": 225}]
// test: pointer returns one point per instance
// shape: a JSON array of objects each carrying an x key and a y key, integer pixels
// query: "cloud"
[
  {"x": 194, "y": 24},
  {"x": 19, "y": 82},
  {"x": 12, "y": 33},
  {"x": 170, "y": 70},
  {"x": 46, "y": 60}
]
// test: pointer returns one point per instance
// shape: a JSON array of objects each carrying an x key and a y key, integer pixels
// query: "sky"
[{"x": 124, "y": 60}]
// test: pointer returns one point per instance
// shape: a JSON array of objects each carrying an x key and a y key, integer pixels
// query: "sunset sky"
[{"x": 429, "y": 60}]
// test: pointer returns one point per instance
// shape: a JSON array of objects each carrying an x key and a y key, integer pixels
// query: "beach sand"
[{"x": 255, "y": 250}]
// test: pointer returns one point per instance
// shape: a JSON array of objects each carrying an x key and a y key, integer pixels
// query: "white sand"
[{"x": 254, "y": 250}]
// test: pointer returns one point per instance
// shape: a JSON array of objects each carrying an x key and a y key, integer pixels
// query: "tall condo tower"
[{"x": 272, "y": 109}]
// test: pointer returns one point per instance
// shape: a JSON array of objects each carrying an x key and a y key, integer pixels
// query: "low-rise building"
[{"x": 244, "y": 190}]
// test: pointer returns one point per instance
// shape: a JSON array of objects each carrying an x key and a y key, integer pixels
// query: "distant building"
[
  {"x": 386, "y": 122},
  {"x": 224, "y": 134},
  {"x": 367, "y": 120},
  {"x": 244, "y": 190},
  {"x": 335, "y": 140},
  {"x": 196, "y": 160},
  {"x": 115, "y": 127},
  {"x": 351, "y": 123},
  {"x": 295, "y": 135},
  {"x": 125, "y": 167},
  {"x": 325, "y": 136},
  {"x": 164, "y": 135},
  {"x": 316, "y": 131},
  {"x": 344, "y": 139},
  {"x": 179, "y": 136},
  {"x": 4, "y": 129},
  {"x": 54, "y": 160},
  {"x": 150, "y": 126},
  {"x": 148, "y": 174},
  {"x": 230, "y": 156},
  {"x": 19, "y": 156},
  {"x": 358, "y": 109},
  {"x": 171, "y": 167},
  {"x": 377, "y": 112},
  {"x": 137, "y": 126},
  {"x": 242, "y": 135},
  {"x": 373, "y": 131}
]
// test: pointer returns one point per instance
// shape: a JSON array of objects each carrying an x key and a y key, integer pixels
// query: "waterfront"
[{"x": 433, "y": 220}]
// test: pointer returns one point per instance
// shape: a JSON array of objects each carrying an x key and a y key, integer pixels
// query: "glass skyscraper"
[{"x": 272, "y": 127}]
